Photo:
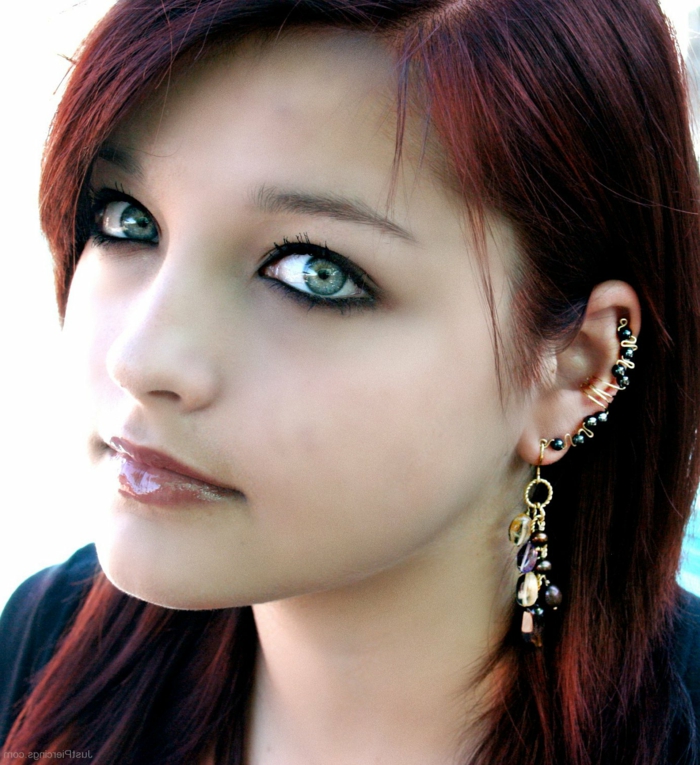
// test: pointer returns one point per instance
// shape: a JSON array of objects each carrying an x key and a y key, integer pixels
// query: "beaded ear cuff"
[
  {"x": 534, "y": 592},
  {"x": 599, "y": 391}
]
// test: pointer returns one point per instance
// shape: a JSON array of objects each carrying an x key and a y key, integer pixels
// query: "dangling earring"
[{"x": 527, "y": 531}]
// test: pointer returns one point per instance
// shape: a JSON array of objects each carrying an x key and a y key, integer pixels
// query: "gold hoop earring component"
[
  {"x": 534, "y": 591},
  {"x": 599, "y": 391}
]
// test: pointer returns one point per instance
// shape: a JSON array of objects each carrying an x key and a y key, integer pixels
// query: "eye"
[
  {"x": 122, "y": 219},
  {"x": 315, "y": 276}
]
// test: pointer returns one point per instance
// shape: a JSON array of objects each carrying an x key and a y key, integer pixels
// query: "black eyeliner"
[
  {"x": 99, "y": 200},
  {"x": 304, "y": 246}
]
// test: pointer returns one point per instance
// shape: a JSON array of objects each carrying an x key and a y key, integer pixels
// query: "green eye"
[
  {"x": 323, "y": 277},
  {"x": 124, "y": 220},
  {"x": 315, "y": 276}
]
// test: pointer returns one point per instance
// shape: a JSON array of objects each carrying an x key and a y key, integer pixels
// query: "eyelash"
[
  {"x": 302, "y": 246},
  {"x": 98, "y": 202}
]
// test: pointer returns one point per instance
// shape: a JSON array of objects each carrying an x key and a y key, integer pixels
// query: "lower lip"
[{"x": 158, "y": 486}]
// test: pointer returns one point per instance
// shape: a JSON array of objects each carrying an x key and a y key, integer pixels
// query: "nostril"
[{"x": 166, "y": 394}]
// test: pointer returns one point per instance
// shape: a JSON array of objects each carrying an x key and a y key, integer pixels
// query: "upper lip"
[{"x": 158, "y": 459}]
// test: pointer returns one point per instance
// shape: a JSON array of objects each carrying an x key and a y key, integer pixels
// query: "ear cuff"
[{"x": 599, "y": 391}]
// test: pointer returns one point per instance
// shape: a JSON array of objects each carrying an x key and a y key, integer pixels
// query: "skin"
[{"x": 378, "y": 465}]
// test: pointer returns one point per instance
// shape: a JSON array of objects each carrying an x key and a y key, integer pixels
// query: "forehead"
[{"x": 317, "y": 106}]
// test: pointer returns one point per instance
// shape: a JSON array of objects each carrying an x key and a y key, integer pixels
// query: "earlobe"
[{"x": 588, "y": 374}]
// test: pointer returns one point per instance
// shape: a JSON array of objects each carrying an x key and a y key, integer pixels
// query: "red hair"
[{"x": 570, "y": 118}]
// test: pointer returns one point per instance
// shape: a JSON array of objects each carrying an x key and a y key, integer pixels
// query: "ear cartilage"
[{"x": 599, "y": 391}]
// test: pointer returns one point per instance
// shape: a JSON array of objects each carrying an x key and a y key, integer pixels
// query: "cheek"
[
  {"x": 88, "y": 329},
  {"x": 359, "y": 461}
]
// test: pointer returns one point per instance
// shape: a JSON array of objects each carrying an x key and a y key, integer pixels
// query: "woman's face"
[{"x": 253, "y": 308}]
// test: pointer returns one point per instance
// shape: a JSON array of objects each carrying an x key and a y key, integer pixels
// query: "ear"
[{"x": 560, "y": 404}]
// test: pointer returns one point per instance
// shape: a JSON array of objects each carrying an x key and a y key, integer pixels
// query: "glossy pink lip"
[{"x": 154, "y": 478}]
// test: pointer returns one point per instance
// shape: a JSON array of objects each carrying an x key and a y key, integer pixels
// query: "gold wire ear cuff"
[{"x": 598, "y": 391}]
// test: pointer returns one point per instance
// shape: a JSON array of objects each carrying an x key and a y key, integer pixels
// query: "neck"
[{"x": 384, "y": 670}]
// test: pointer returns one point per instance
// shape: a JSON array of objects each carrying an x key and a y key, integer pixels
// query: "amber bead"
[{"x": 520, "y": 529}]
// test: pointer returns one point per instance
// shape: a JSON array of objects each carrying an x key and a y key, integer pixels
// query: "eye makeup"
[
  {"x": 117, "y": 218},
  {"x": 310, "y": 274},
  {"x": 318, "y": 273}
]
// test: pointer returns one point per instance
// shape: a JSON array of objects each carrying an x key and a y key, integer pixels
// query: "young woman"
[{"x": 386, "y": 316}]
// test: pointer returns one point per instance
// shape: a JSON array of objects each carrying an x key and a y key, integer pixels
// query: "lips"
[{"x": 154, "y": 478}]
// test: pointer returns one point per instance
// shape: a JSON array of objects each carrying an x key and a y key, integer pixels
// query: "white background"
[{"x": 44, "y": 511}]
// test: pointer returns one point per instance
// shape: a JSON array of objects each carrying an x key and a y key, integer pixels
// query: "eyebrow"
[
  {"x": 270, "y": 199},
  {"x": 123, "y": 159}
]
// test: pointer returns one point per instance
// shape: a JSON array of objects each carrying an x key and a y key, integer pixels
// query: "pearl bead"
[{"x": 553, "y": 596}]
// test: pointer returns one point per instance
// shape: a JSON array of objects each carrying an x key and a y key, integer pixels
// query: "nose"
[{"x": 164, "y": 352}]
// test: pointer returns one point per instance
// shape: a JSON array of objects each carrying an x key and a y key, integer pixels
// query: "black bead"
[
  {"x": 628, "y": 354},
  {"x": 557, "y": 444},
  {"x": 543, "y": 567},
  {"x": 578, "y": 439},
  {"x": 618, "y": 370},
  {"x": 625, "y": 333},
  {"x": 539, "y": 539},
  {"x": 590, "y": 422},
  {"x": 623, "y": 382},
  {"x": 537, "y": 611},
  {"x": 602, "y": 416},
  {"x": 553, "y": 596}
]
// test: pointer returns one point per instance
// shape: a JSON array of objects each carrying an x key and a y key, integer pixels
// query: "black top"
[
  {"x": 40, "y": 609},
  {"x": 33, "y": 621}
]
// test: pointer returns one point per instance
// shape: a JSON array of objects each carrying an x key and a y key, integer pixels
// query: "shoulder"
[{"x": 32, "y": 623}]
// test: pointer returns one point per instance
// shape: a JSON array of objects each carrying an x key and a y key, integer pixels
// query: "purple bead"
[{"x": 527, "y": 558}]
